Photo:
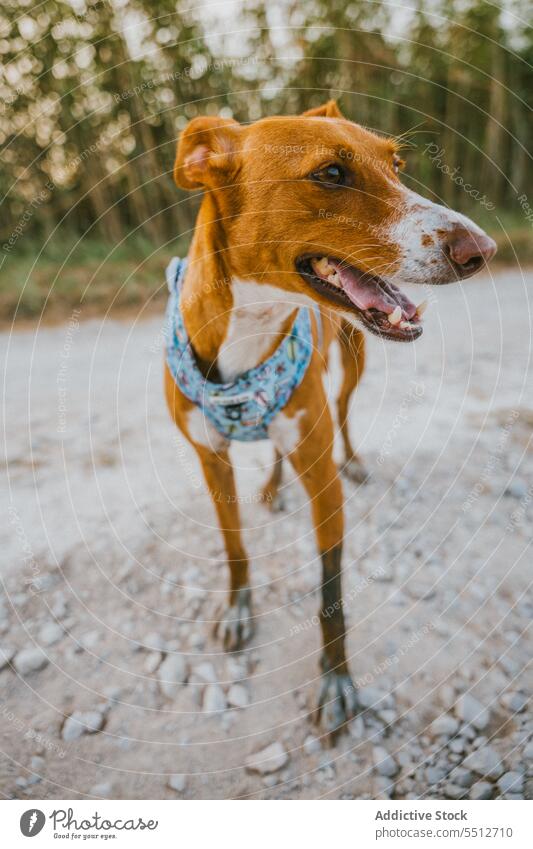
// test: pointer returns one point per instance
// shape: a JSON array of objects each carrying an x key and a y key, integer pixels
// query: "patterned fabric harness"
[{"x": 244, "y": 408}]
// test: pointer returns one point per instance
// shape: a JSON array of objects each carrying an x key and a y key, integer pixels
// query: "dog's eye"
[
  {"x": 397, "y": 164},
  {"x": 330, "y": 175}
]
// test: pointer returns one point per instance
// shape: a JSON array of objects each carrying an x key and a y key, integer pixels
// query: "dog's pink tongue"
[{"x": 366, "y": 293}]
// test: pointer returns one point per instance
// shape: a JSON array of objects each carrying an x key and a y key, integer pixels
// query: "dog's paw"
[
  {"x": 355, "y": 471},
  {"x": 236, "y": 627},
  {"x": 337, "y": 702}
]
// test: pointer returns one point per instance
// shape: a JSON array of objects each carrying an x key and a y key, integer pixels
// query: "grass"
[
  {"x": 90, "y": 275},
  {"x": 95, "y": 277}
]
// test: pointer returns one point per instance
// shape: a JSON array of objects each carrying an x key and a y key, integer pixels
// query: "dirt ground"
[{"x": 112, "y": 683}]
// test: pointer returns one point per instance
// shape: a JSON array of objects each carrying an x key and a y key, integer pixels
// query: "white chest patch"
[
  {"x": 285, "y": 431},
  {"x": 259, "y": 311},
  {"x": 202, "y": 432}
]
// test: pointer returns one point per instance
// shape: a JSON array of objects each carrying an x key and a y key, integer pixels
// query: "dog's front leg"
[
  {"x": 313, "y": 461},
  {"x": 236, "y": 625}
]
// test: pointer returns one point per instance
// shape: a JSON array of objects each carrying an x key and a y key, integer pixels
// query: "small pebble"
[
  {"x": 153, "y": 642},
  {"x": 312, "y": 745},
  {"x": 371, "y": 697},
  {"x": 50, "y": 634},
  {"x": 152, "y": 662},
  {"x": 238, "y": 696},
  {"x": 514, "y": 702},
  {"x": 214, "y": 700},
  {"x": 434, "y": 774},
  {"x": 481, "y": 790},
  {"x": 454, "y": 791},
  {"x": 384, "y": 763},
  {"x": 172, "y": 674},
  {"x": 268, "y": 760},
  {"x": 206, "y": 672},
  {"x": 177, "y": 782},
  {"x": 444, "y": 725},
  {"x": 82, "y": 723},
  {"x": 30, "y": 660},
  {"x": 357, "y": 728},
  {"x": 511, "y": 782},
  {"x": 528, "y": 751},
  {"x": 388, "y": 716},
  {"x": 384, "y": 788},
  {"x": 461, "y": 776},
  {"x": 469, "y": 710},
  {"x": 103, "y": 790},
  {"x": 485, "y": 762}
]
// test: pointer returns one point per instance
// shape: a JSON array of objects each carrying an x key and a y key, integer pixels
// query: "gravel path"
[{"x": 111, "y": 681}]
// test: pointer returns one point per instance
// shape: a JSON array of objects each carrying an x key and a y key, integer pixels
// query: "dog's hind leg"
[
  {"x": 270, "y": 493},
  {"x": 352, "y": 348},
  {"x": 236, "y": 626}
]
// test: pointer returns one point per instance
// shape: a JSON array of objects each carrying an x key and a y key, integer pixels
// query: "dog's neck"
[{"x": 233, "y": 323}]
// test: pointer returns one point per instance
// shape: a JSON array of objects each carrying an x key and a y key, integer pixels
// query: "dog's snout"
[{"x": 469, "y": 250}]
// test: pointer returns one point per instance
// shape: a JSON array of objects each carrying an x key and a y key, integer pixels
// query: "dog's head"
[{"x": 314, "y": 204}]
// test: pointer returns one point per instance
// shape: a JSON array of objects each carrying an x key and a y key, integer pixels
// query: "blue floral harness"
[{"x": 244, "y": 408}]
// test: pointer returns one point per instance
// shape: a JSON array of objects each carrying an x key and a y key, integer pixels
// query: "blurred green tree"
[{"x": 95, "y": 94}]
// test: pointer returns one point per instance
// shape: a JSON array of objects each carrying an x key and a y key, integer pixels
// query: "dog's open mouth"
[{"x": 381, "y": 306}]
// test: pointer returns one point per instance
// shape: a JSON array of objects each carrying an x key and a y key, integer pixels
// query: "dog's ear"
[
  {"x": 207, "y": 153},
  {"x": 327, "y": 110}
]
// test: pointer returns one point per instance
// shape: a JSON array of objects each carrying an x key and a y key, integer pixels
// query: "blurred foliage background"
[{"x": 94, "y": 95}]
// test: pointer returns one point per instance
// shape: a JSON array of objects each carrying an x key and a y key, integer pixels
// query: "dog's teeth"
[
  {"x": 421, "y": 308},
  {"x": 322, "y": 266},
  {"x": 396, "y": 316},
  {"x": 334, "y": 278}
]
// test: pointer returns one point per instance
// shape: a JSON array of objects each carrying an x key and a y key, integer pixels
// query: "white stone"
[
  {"x": 357, "y": 728},
  {"x": 511, "y": 782},
  {"x": 528, "y": 751},
  {"x": 154, "y": 642},
  {"x": 172, "y": 674},
  {"x": 177, "y": 782},
  {"x": 371, "y": 697},
  {"x": 485, "y": 762},
  {"x": 481, "y": 790},
  {"x": 445, "y": 725},
  {"x": 214, "y": 700},
  {"x": 51, "y": 633},
  {"x": 206, "y": 672},
  {"x": 268, "y": 760},
  {"x": 103, "y": 790},
  {"x": 238, "y": 696},
  {"x": 82, "y": 723},
  {"x": 469, "y": 710},
  {"x": 312, "y": 745},
  {"x": 384, "y": 763},
  {"x": 30, "y": 660},
  {"x": 153, "y": 659},
  {"x": 514, "y": 702}
]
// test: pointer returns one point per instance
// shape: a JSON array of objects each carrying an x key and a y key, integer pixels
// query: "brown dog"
[{"x": 301, "y": 210}]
